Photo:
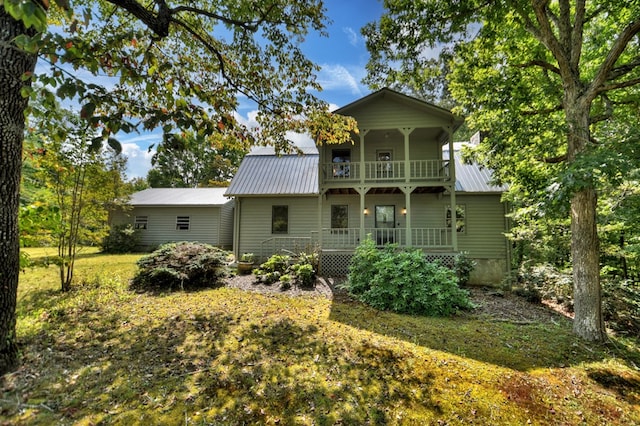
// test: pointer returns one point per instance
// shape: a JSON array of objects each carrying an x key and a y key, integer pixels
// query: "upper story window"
[
  {"x": 461, "y": 218},
  {"x": 182, "y": 223},
  {"x": 279, "y": 219},
  {"x": 141, "y": 222},
  {"x": 341, "y": 159}
]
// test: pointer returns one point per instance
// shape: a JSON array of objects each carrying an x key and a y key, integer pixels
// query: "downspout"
[{"x": 236, "y": 228}]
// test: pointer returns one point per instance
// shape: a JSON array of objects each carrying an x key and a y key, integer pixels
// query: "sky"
[{"x": 342, "y": 56}]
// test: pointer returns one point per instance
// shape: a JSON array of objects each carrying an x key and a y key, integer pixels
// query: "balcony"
[{"x": 386, "y": 171}]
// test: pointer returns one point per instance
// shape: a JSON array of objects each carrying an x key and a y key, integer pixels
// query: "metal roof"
[
  {"x": 269, "y": 174},
  {"x": 263, "y": 174},
  {"x": 196, "y": 197},
  {"x": 473, "y": 177}
]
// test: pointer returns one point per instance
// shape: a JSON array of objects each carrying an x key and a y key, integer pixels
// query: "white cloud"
[
  {"x": 138, "y": 160},
  {"x": 337, "y": 77},
  {"x": 353, "y": 36}
]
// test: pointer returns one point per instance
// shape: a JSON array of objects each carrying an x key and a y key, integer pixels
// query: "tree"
[
  {"x": 189, "y": 160},
  {"x": 540, "y": 78},
  {"x": 79, "y": 186},
  {"x": 172, "y": 64}
]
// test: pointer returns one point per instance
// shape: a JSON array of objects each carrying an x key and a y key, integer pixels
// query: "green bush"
[
  {"x": 404, "y": 281},
  {"x": 121, "y": 239},
  {"x": 621, "y": 305},
  {"x": 545, "y": 282},
  {"x": 280, "y": 268},
  {"x": 183, "y": 265},
  {"x": 463, "y": 266}
]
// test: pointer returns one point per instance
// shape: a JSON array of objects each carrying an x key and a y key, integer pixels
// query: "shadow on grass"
[
  {"x": 508, "y": 344},
  {"x": 100, "y": 365}
]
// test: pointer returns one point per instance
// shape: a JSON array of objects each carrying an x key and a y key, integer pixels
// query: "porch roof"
[{"x": 262, "y": 172}]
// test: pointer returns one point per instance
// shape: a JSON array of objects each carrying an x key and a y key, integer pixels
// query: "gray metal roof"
[
  {"x": 266, "y": 174},
  {"x": 474, "y": 178},
  {"x": 195, "y": 197},
  {"x": 269, "y": 174}
]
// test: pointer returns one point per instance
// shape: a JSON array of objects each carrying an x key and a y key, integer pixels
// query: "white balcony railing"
[{"x": 386, "y": 171}]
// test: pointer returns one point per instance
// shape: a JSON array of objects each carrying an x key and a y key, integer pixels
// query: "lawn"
[{"x": 104, "y": 355}]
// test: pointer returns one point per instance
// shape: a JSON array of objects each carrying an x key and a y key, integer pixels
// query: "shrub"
[
  {"x": 183, "y": 265},
  {"x": 279, "y": 268},
  {"x": 545, "y": 282},
  {"x": 404, "y": 281},
  {"x": 463, "y": 265},
  {"x": 121, "y": 239},
  {"x": 621, "y": 305}
]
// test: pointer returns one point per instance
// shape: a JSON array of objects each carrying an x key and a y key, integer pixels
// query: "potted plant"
[{"x": 245, "y": 264}]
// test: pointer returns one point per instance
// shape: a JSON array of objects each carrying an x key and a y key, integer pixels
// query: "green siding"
[
  {"x": 386, "y": 112},
  {"x": 255, "y": 221},
  {"x": 161, "y": 228}
]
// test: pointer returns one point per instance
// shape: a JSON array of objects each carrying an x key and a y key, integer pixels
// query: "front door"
[{"x": 385, "y": 224}]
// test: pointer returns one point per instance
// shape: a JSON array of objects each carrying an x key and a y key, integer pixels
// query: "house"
[
  {"x": 180, "y": 214},
  {"x": 394, "y": 182}
]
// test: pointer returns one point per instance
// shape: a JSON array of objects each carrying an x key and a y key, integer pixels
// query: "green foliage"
[
  {"x": 181, "y": 266},
  {"x": 545, "y": 282},
  {"x": 192, "y": 160},
  {"x": 621, "y": 306},
  {"x": 121, "y": 239},
  {"x": 404, "y": 281},
  {"x": 299, "y": 270},
  {"x": 463, "y": 266}
]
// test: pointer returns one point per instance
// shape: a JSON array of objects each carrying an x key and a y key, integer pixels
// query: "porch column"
[
  {"x": 406, "y": 131},
  {"x": 323, "y": 193},
  {"x": 362, "y": 191},
  {"x": 452, "y": 191},
  {"x": 363, "y": 133},
  {"x": 407, "y": 203}
]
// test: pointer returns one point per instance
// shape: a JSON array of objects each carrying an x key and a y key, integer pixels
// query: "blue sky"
[{"x": 342, "y": 56}]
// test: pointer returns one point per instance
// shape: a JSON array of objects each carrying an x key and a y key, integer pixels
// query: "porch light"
[
  {"x": 366, "y": 211},
  {"x": 404, "y": 211}
]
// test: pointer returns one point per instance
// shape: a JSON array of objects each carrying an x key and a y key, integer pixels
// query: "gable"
[{"x": 389, "y": 109}]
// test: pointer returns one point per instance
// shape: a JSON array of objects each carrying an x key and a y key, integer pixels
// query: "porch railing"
[
  {"x": 386, "y": 171},
  {"x": 349, "y": 238},
  {"x": 280, "y": 245}
]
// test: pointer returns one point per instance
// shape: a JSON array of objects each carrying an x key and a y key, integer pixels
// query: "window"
[
  {"x": 341, "y": 159},
  {"x": 461, "y": 216},
  {"x": 339, "y": 216},
  {"x": 141, "y": 222},
  {"x": 279, "y": 219},
  {"x": 182, "y": 223}
]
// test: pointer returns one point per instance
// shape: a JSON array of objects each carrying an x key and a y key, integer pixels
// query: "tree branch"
[
  {"x": 624, "y": 69},
  {"x": 577, "y": 33},
  {"x": 555, "y": 160},
  {"x": 542, "y": 111},
  {"x": 543, "y": 64},
  {"x": 211, "y": 48},
  {"x": 247, "y": 25},
  {"x": 619, "y": 85},
  {"x": 605, "y": 70},
  {"x": 158, "y": 22}
]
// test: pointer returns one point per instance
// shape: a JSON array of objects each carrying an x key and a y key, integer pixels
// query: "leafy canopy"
[{"x": 182, "y": 66}]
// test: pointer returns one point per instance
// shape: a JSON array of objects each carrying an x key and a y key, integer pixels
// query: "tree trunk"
[
  {"x": 585, "y": 248},
  {"x": 13, "y": 64},
  {"x": 588, "y": 322}
]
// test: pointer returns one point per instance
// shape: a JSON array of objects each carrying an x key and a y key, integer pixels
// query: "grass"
[{"x": 104, "y": 355}]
